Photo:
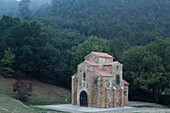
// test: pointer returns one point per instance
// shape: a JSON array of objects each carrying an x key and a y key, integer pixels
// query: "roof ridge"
[
  {"x": 111, "y": 63},
  {"x": 101, "y": 54},
  {"x": 91, "y": 62},
  {"x": 103, "y": 73}
]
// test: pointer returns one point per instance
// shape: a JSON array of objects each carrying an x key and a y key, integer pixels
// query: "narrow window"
[
  {"x": 84, "y": 76},
  {"x": 117, "y": 79},
  {"x": 95, "y": 80},
  {"x": 125, "y": 93},
  {"x": 117, "y": 68}
]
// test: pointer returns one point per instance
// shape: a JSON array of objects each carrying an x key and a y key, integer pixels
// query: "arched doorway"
[{"x": 83, "y": 99}]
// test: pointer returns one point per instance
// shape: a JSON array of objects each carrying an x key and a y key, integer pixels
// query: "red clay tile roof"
[
  {"x": 125, "y": 82},
  {"x": 111, "y": 63},
  {"x": 91, "y": 63},
  {"x": 103, "y": 73},
  {"x": 74, "y": 74},
  {"x": 102, "y": 54}
]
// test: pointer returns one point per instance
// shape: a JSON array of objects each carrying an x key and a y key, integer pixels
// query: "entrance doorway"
[{"x": 83, "y": 99}]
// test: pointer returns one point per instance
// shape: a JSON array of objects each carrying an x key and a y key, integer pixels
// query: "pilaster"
[
  {"x": 99, "y": 94},
  {"x": 90, "y": 102},
  {"x": 107, "y": 98},
  {"x": 73, "y": 90},
  {"x": 122, "y": 97},
  {"x": 103, "y": 94},
  {"x": 114, "y": 97},
  {"x": 78, "y": 89}
]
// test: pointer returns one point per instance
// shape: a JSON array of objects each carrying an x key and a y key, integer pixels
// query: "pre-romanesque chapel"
[{"x": 99, "y": 82}]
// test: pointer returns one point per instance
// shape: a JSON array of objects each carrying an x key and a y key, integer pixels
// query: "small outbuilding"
[{"x": 99, "y": 82}]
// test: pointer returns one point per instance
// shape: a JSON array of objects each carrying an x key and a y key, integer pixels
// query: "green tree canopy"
[
  {"x": 93, "y": 43},
  {"x": 9, "y": 58},
  {"x": 146, "y": 67}
]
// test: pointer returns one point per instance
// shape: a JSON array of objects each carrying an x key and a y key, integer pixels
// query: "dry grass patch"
[{"x": 42, "y": 92}]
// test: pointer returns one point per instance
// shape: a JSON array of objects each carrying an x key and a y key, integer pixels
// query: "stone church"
[{"x": 99, "y": 82}]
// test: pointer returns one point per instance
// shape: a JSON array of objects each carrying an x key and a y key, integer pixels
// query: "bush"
[{"x": 23, "y": 90}]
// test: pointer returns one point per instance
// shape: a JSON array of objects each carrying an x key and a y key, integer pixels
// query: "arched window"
[
  {"x": 117, "y": 67},
  {"x": 117, "y": 79}
]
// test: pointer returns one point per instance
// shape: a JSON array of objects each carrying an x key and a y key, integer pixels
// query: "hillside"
[
  {"x": 138, "y": 21},
  {"x": 10, "y": 105},
  {"x": 42, "y": 93},
  {"x": 48, "y": 43}
]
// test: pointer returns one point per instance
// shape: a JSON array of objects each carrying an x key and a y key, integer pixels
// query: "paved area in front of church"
[
  {"x": 126, "y": 109},
  {"x": 80, "y": 109}
]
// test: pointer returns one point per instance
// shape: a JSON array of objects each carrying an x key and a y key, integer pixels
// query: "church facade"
[{"x": 99, "y": 82}]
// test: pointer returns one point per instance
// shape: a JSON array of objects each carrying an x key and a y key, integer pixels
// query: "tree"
[
  {"x": 93, "y": 43},
  {"x": 117, "y": 46},
  {"x": 24, "y": 8},
  {"x": 9, "y": 58},
  {"x": 6, "y": 63},
  {"x": 146, "y": 67},
  {"x": 152, "y": 76}
]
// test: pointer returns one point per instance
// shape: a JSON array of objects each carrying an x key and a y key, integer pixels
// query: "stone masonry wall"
[{"x": 104, "y": 94}]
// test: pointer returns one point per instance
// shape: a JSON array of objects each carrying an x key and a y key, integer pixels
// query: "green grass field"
[{"x": 10, "y": 105}]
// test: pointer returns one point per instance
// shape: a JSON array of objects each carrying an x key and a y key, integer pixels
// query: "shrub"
[{"x": 23, "y": 90}]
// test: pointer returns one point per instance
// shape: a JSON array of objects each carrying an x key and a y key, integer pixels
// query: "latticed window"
[
  {"x": 117, "y": 79},
  {"x": 96, "y": 80}
]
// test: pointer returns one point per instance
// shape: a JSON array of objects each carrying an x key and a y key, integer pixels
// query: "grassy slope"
[
  {"x": 10, "y": 105},
  {"x": 42, "y": 93}
]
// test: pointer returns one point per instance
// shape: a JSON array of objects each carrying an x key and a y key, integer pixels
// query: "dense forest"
[{"x": 48, "y": 41}]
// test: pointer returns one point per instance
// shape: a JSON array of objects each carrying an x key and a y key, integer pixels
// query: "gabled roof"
[
  {"x": 103, "y": 73},
  {"x": 91, "y": 63},
  {"x": 74, "y": 74},
  {"x": 111, "y": 63},
  {"x": 100, "y": 54},
  {"x": 126, "y": 83}
]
